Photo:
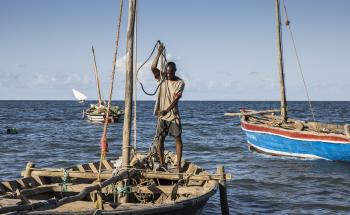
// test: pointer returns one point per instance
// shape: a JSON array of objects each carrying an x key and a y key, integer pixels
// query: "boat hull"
[
  {"x": 101, "y": 118},
  {"x": 283, "y": 142}
]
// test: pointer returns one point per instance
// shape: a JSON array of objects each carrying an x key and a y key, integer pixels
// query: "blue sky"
[{"x": 225, "y": 50}]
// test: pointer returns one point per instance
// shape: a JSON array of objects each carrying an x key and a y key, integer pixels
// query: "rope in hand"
[
  {"x": 104, "y": 144},
  {"x": 138, "y": 70},
  {"x": 298, "y": 60}
]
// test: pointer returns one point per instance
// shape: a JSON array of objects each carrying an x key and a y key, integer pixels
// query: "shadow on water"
[{"x": 51, "y": 133}]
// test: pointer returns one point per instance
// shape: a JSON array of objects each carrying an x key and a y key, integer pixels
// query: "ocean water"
[{"x": 52, "y": 134}]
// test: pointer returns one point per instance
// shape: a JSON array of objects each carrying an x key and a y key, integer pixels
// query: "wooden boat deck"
[{"x": 169, "y": 191}]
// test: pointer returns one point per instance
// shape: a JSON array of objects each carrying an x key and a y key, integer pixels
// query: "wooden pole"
[
  {"x": 28, "y": 171},
  {"x": 280, "y": 62},
  {"x": 223, "y": 192},
  {"x": 249, "y": 113},
  {"x": 97, "y": 78},
  {"x": 128, "y": 84}
]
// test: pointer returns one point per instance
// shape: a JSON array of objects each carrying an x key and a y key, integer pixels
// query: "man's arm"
[{"x": 154, "y": 68}]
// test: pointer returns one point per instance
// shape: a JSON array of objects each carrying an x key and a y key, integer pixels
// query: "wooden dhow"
[
  {"x": 282, "y": 136},
  {"x": 76, "y": 189}
]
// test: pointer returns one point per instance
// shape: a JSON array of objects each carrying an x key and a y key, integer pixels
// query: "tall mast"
[
  {"x": 280, "y": 62},
  {"x": 97, "y": 79},
  {"x": 128, "y": 83}
]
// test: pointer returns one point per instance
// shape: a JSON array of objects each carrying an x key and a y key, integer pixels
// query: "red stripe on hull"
[{"x": 293, "y": 134}]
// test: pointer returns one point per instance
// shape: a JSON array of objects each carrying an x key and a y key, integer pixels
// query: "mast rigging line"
[
  {"x": 104, "y": 145},
  {"x": 298, "y": 60}
]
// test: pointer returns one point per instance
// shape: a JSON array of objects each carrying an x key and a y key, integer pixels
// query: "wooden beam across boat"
[
  {"x": 252, "y": 112},
  {"x": 179, "y": 176},
  {"x": 146, "y": 174}
]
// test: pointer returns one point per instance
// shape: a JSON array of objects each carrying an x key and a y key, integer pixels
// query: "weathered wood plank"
[
  {"x": 11, "y": 185},
  {"x": 93, "y": 167},
  {"x": 252, "y": 113},
  {"x": 107, "y": 165},
  {"x": 81, "y": 168}
]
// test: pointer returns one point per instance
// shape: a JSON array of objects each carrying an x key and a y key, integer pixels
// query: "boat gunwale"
[{"x": 311, "y": 135}]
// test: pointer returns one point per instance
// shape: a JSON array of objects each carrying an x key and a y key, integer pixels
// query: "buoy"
[{"x": 11, "y": 131}]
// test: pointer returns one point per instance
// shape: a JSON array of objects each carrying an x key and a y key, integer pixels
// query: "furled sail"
[{"x": 79, "y": 96}]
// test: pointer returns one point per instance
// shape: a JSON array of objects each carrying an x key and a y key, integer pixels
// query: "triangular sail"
[{"x": 79, "y": 96}]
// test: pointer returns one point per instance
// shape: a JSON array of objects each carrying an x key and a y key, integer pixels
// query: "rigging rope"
[
  {"x": 135, "y": 85},
  {"x": 104, "y": 145},
  {"x": 298, "y": 60}
]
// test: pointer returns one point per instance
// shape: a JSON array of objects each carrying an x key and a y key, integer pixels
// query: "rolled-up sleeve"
[{"x": 180, "y": 88}]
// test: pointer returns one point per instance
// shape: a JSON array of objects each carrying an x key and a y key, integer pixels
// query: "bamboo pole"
[
  {"x": 97, "y": 78},
  {"x": 223, "y": 191},
  {"x": 280, "y": 62},
  {"x": 128, "y": 84},
  {"x": 28, "y": 170}
]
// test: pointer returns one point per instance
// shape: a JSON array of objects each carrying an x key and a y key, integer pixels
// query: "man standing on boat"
[{"x": 166, "y": 109}]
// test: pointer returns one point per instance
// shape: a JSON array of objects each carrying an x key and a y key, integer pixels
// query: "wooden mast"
[
  {"x": 280, "y": 62},
  {"x": 97, "y": 78},
  {"x": 128, "y": 84}
]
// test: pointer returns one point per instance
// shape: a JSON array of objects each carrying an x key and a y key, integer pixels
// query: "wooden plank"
[
  {"x": 40, "y": 179},
  {"x": 72, "y": 174},
  {"x": 178, "y": 176},
  {"x": 21, "y": 184},
  {"x": 169, "y": 190},
  {"x": 192, "y": 169},
  {"x": 150, "y": 174},
  {"x": 252, "y": 113},
  {"x": 81, "y": 168},
  {"x": 2, "y": 189},
  {"x": 107, "y": 165},
  {"x": 11, "y": 185},
  {"x": 93, "y": 167},
  {"x": 29, "y": 182}
]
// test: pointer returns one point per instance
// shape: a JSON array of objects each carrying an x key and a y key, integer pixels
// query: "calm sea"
[{"x": 52, "y": 134}]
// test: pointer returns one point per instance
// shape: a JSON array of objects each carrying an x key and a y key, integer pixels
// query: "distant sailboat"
[
  {"x": 79, "y": 96},
  {"x": 97, "y": 112}
]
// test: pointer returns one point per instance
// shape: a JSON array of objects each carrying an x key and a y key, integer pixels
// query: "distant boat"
[
  {"x": 97, "y": 112},
  {"x": 79, "y": 96},
  {"x": 282, "y": 136}
]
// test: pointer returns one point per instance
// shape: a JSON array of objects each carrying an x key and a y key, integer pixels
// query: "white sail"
[{"x": 79, "y": 96}]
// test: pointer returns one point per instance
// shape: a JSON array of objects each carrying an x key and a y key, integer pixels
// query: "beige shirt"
[{"x": 168, "y": 90}]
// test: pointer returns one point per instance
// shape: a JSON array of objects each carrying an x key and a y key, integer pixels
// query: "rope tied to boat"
[
  {"x": 104, "y": 144},
  {"x": 126, "y": 190},
  {"x": 65, "y": 180}
]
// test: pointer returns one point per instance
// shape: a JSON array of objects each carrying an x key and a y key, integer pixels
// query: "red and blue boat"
[
  {"x": 282, "y": 136},
  {"x": 295, "y": 138}
]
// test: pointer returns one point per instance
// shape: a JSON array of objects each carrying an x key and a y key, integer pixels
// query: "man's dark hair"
[{"x": 172, "y": 64}]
